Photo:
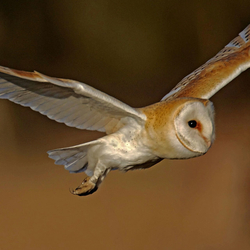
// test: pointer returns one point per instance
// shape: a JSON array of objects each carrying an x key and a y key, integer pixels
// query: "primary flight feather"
[{"x": 180, "y": 126}]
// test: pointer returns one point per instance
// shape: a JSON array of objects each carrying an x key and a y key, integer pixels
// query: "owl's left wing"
[
  {"x": 71, "y": 102},
  {"x": 208, "y": 79}
]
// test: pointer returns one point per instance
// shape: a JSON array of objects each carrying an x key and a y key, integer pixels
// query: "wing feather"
[
  {"x": 208, "y": 79},
  {"x": 74, "y": 103}
]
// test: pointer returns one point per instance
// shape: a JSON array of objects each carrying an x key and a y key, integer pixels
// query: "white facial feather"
[{"x": 198, "y": 137}]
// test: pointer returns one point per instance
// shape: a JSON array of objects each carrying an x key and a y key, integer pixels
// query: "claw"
[{"x": 85, "y": 188}]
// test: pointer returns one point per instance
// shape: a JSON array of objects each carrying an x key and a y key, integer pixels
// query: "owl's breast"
[{"x": 125, "y": 149}]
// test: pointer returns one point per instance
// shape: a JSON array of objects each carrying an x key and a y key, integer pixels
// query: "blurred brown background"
[{"x": 135, "y": 51}]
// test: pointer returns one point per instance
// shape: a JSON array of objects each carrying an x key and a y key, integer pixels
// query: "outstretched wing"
[
  {"x": 74, "y": 103},
  {"x": 205, "y": 81}
]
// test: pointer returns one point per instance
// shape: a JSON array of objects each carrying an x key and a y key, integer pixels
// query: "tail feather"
[{"x": 73, "y": 158}]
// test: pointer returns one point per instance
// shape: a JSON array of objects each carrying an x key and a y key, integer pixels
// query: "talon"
[
  {"x": 73, "y": 191},
  {"x": 85, "y": 188}
]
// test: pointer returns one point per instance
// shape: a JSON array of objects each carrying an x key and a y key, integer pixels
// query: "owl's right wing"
[
  {"x": 71, "y": 102},
  {"x": 208, "y": 79}
]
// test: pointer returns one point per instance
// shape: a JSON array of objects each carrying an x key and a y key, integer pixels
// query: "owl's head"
[
  {"x": 181, "y": 128},
  {"x": 194, "y": 125}
]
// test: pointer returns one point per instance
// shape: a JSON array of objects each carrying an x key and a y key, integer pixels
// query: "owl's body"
[
  {"x": 180, "y": 126},
  {"x": 143, "y": 144}
]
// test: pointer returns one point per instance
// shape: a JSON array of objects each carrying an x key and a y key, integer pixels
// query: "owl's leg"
[{"x": 91, "y": 184}]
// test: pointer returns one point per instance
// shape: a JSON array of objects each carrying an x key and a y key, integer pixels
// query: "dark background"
[{"x": 135, "y": 51}]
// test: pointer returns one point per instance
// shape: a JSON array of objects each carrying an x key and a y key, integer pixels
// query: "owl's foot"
[{"x": 87, "y": 187}]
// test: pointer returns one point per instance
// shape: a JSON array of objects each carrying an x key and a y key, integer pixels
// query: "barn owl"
[{"x": 180, "y": 126}]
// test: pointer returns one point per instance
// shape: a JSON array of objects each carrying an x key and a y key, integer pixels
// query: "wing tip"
[{"x": 245, "y": 34}]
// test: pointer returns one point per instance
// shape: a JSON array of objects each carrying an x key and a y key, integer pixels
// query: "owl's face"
[
  {"x": 184, "y": 128},
  {"x": 194, "y": 126}
]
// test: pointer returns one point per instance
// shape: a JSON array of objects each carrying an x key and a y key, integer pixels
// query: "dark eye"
[{"x": 192, "y": 124}]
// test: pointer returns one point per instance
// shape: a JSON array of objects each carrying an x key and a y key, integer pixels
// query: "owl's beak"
[{"x": 208, "y": 142}]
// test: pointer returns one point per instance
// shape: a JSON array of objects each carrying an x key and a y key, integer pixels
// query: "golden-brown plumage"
[{"x": 205, "y": 81}]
